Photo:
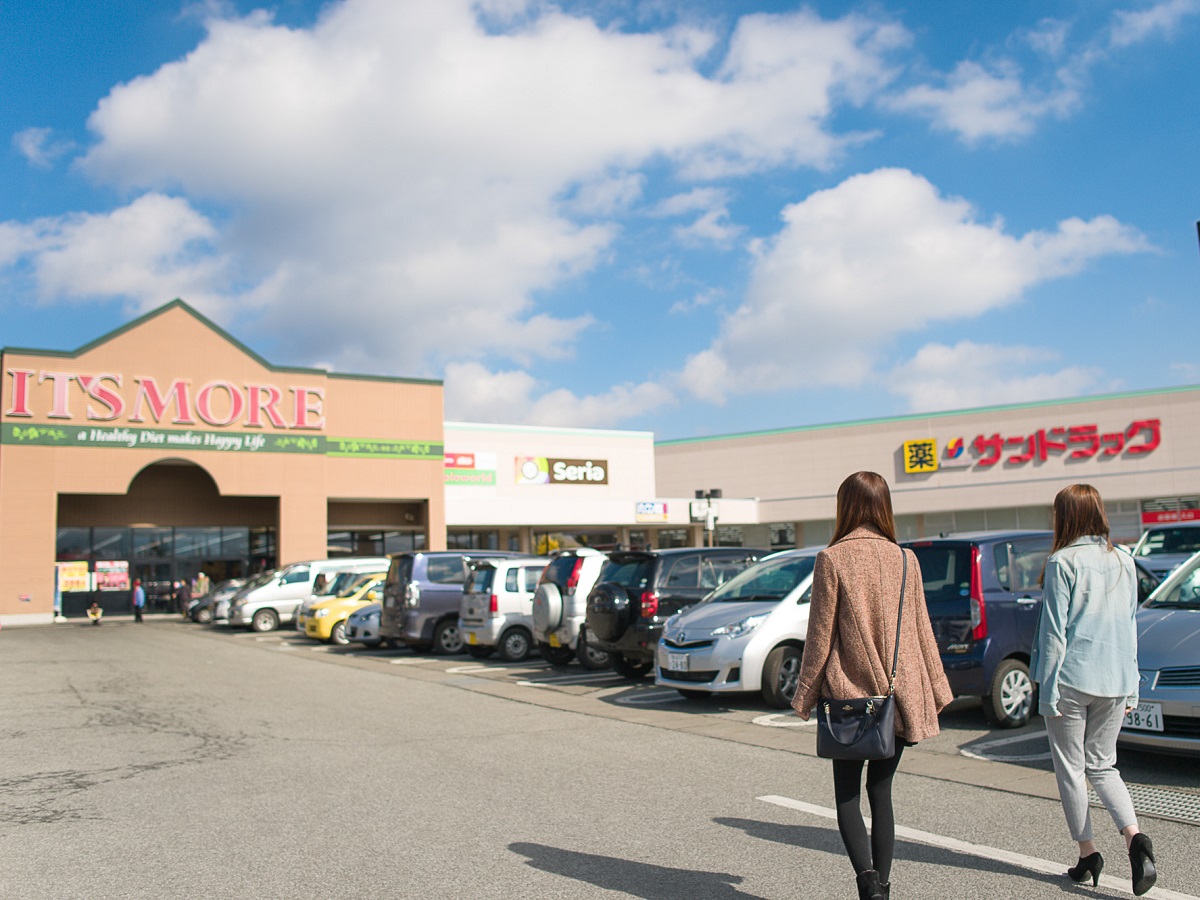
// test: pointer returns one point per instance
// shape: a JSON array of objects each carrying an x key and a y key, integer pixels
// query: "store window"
[
  {"x": 672, "y": 537},
  {"x": 473, "y": 540},
  {"x": 153, "y": 542},
  {"x": 783, "y": 534},
  {"x": 197, "y": 542},
  {"x": 729, "y": 536},
  {"x": 73, "y": 543},
  {"x": 111, "y": 543}
]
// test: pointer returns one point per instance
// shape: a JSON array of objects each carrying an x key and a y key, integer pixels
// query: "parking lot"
[{"x": 171, "y": 760}]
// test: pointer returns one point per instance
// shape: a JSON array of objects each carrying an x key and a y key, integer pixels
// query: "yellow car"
[{"x": 327, "y": 621}]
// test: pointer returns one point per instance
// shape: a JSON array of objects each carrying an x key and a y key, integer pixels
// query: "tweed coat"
[{"x": 852, "y": 634}]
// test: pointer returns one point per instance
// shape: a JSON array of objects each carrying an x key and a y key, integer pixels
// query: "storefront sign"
[
  {"x": 1070, "y": 442},
  {"x": 73, "y": 576},
  {"x": 651, "y": 511},
  {"x": 1170, "y": 509},
  {"x": 471, "y": 469},
  {"x": 220, "y": 441},
  {"x": 544, "y": 470},
  {"x": 112, "y": 575},
  {"x": 106, "y": 397}
]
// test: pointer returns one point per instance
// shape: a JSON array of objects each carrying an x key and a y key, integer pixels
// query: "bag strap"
[{"x": 899, "y": 614}]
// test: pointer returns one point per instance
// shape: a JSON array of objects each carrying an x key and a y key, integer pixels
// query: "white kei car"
[{"x": 747, "y": 635}]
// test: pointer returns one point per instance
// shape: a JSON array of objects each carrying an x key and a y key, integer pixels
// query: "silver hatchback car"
[{"x": 1167, "y": 718}]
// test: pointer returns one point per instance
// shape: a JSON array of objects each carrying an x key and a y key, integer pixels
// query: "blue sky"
[{"x": 685, "y": 217}]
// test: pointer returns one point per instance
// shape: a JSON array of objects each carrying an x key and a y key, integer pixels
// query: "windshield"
[
  {"x": 1168, "y": 540},
  {"x": 339, "y": 583},
  {"x": 1180, "y": 591},
  {"x": 359, "y": 582},
  {"x": 771, "y": 579}
]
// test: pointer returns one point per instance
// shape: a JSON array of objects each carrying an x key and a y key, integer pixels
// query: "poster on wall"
[
  {"x": 73, "y": 576},
  {"x": 112, "y": 575}
]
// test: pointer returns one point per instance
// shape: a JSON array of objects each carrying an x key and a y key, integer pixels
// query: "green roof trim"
[
  {"x": 221, "y": 332},
  {"x": 942, "y": 414}
]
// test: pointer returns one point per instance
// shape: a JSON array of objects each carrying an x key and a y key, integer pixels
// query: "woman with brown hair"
[
  {"x": 848, "y": 653},
  {"x": 1085, "y": 663}
]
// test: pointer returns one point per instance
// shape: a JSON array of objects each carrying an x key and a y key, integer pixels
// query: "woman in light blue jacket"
[{"x": 1085, "y": 663}]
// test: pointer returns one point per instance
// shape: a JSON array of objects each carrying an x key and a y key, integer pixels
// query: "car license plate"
[
  {"x": 554, "y": 641},
  {"x": 1147, "y": 717},
  {"x": 471, "y": 639},
  {"x": 677, "y": 662}
]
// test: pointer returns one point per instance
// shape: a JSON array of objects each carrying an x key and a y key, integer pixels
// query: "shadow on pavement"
[
  {"x": 636, "y": 879},
  {"x": 826, "y": 839}
]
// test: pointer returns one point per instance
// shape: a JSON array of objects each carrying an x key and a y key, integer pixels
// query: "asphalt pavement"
[{"x": 169, "y": 760}]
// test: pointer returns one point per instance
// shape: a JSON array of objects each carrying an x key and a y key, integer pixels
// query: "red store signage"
[{"x": 1082, "y": 441}]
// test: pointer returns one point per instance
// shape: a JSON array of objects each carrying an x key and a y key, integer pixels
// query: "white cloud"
[
  {"x": 154, "y": 249},
  {"x": 1157, "y": 20},
  {"x": 969, "y": 375},
  {"x": 879, "y": 255},
  {"x": 399, "y": 169},
  {"x": 475, "y": 394},
  {"x": 39, "y": 148}
]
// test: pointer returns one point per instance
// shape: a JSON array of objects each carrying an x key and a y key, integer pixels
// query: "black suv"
[
  {"x": 638, "y": 590},
  {"x": 984, "y": 602}
]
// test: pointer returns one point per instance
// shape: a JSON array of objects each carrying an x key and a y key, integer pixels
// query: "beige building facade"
[
  {"x": 167, "y": 448},
  {"x": 998, "y": 467}
]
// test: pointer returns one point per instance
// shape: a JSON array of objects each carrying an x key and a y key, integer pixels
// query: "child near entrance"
[{"x": 95, "y": 613}]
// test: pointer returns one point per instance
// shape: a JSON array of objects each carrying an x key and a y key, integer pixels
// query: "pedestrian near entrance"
[
  {"x": 851, "y": 643},
  {"x": 1084, "y": 660},
  {"x": 139, "y": 600},
  {"x": 183, "y": 596}
]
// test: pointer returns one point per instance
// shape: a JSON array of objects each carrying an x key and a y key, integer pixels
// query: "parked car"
[
  {"x": 1146, "y": 579},
  {"x": 266, "y": 606},
  {"x": 496, "y": 610},
  {"x": 1164, "y": 547},
  {"x": 1167, "y": 718},
  {"x": 638, "y": 590},
  {"x": 747, "y": 635},
  {"x": 421, "y": 598},
  {"x": 984, "y": 603},
  {"x": 202, "y": 608},
  {"x": 222, "y": 606},
  {"x": 559, "y": 608},
  {"x": 362, "y": 626},
  {"x": 327, "y": 620},
  {"x": 335, "y": 584}
]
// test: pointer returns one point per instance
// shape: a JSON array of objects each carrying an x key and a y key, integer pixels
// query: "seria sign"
[{"x": 105, "y": 397}]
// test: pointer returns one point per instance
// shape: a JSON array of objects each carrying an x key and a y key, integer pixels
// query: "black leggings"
[{"x": 847, "y": 789}]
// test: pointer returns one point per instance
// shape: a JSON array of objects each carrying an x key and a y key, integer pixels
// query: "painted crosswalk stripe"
[{"x": 982, "y": 851}]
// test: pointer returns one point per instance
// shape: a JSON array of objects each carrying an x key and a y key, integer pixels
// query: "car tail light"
[
  {"x": 978, "y": 610},
  {"x": 494, "y": 605},
  {"x": 573, "y": 578},
  {"x": 649, "y": 604}
]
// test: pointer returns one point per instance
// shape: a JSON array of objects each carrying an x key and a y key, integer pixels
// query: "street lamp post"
[{"x": 704, "y": 509}]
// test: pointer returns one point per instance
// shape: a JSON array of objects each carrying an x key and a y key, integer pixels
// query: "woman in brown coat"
[{"x": 848, "y": 653}]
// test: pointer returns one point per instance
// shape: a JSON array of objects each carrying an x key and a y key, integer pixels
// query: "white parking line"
[
  {"x": 1032, "y": 863},
  {"x": 569, "y": 680},
  {"x": 984, "y": 751},
  {"x": 783, "y": 720},
  {"x": 647, "y": 698},
  {"x": 502, "y": 668}
]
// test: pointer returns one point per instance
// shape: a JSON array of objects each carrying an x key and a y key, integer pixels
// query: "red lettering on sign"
[
  {"x": 204, "y": 403},
  {"x": 149, "y": 393},
  {"x": 309, "y": 401},
  {"x": 20, "y": 401},
  {"x": 259, "y": 405}
]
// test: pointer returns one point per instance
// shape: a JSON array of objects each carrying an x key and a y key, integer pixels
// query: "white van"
[
  {"x": 264, "y": 607},
  {"x": 496, "y": 610}
]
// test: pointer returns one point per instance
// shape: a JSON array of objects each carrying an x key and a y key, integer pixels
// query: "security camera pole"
[{"x": 703, "y": 509}]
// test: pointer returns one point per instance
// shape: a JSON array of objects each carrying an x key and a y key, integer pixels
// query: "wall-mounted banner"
[
  {"x": 112, "y": 575},
  {"x": 650, "y": 511},
  {"x": 220, "y": 441},
  {"x": 73, "y": 576},
  {"x": 1076, "y": 442},
  {"x": 544, "y": 470},
  {"x": 471, "y": 469}
]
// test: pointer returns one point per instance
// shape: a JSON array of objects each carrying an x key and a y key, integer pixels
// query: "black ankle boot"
[
  {"x": 869, "y": 887},
  {"x": 1088, "y": 865},
  {"x": 887, "y": 889},
  {"x": 1141, "y": 861}
]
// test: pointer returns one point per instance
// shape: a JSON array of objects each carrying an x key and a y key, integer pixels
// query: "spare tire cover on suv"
[
  {"x": 608, "y": 612},
  {"x": 547, "y": 607}
]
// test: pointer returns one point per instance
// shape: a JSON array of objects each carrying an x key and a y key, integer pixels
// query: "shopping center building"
[{"x": 168, "y": 448}]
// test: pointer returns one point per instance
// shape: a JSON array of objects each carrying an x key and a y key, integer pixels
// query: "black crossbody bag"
[{"x": 864, "y": 728}]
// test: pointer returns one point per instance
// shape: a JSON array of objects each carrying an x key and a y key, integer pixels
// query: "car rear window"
[
  {"x": 480, "y": 580},
  {"x": 634, "y": 572},
  {"x": 444, "y": 569},
  {"x": 559, "y": 570},
  {"x": 1170, "y": 540},
  {"x": 945, "y": 570},
  {"x": 400, "y": 569}
]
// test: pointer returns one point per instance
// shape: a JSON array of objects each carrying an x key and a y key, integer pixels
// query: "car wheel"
[
  {"x": 447, "y": 639},
  {"x": 689, "y": 694},
  {"x": 589, "y": 656},
  {"x": 204, "y": 616},
  {"x": 337, "y": 635},
  {"x": 781, "y": 674},
  {"x": 1009, "y": 704},
  {"x": 556, "y": 656},
  {"x": 479, "y": 651},
  {"x": 515, "y": 645},
  {"x": 265, "y": 620},
  {"x": 633, "y": 669}
]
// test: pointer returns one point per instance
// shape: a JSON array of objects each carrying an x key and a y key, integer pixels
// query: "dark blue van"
[{"x": 984, "y": 603}]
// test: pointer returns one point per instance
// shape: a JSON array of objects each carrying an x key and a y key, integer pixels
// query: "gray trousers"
[{"x": 1083, "y": 745}]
